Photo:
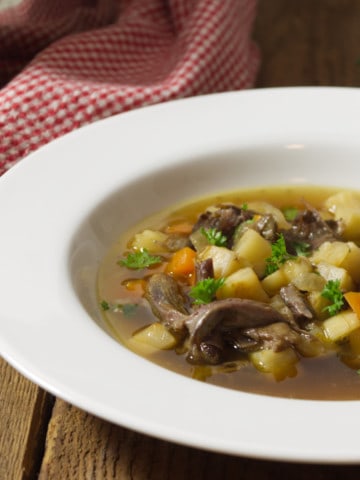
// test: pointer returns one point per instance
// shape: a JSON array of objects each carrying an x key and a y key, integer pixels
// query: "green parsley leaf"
[
  {"x": 104, "y": 305},
  {"x": 204, "y": 291},
  {"x": 332, "y": 292},
  {"x": 279, "y": 255},
  {"x": 244, "y": 206},
  {"x": 302, "y": 248},
  {"x": 290, "y": 213},
  {"x": 138, "y": 260},
  {"x": 128, "y": 309},
  {"x": 214, "y": 237}
]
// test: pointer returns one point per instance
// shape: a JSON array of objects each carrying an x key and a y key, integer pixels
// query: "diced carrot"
[
  {"x": 182, "y": 263},
  {"x": 182, "y": 228},
  {"x": 136, "y": 286},
  {"x": 353, "y": 299}
]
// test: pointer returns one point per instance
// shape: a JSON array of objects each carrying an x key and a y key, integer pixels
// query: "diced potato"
[
  {"x": 354, "y": 340},
  {"x": 280, "y": 364},
  {"x": 224, "y": 260},
  {"x": 346, "y": 207},
  {"x": 318, "y": 303},
  {"x": 265, "y": 207},
  {"x": 273, "y": 282},
  {"x": 155, "y": 335},
  {"x": 251, "y": 247},
  {"x": 330, "y": 272},
  {"x": 351, "y": 262},
  {"x": 331, "y": 252},
  {"x": 151, "y": 240},
  {"x": 294, "y": 267},
  {"x": 243, "y": 283},
  {"x": 341, "y": 325},
  {"x": 309, "y": 282},
  {"x": 199, "y": 240}
]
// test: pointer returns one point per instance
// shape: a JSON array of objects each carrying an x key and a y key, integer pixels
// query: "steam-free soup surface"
[{"x": 312, "y": 352}]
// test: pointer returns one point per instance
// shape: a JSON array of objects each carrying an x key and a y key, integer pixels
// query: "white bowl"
[{"x": 64, "y": 205}]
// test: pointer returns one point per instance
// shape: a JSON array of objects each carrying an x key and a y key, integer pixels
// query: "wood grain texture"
[
  {"x": 308, "y": 42},
  {"x": 25, "y": 410},
  {"x": 80, "y": 446}
]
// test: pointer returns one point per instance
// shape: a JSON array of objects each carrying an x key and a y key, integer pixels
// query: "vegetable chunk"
[
  {"x": 346, "y": 207},
  {"x": 253, "y": 249},
  {"x": 243, "y": 283},
  {"x": 341, "y": 325}
]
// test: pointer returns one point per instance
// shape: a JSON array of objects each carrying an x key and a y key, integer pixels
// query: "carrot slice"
[
  {"x": 182, "y": 263},
  {"x": 182, "y": 228},
  {"x": 353, "y": 299},
  {"x": 136, "y": 286}
]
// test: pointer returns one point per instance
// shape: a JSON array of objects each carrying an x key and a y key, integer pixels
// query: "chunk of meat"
[
  {"x": 225, "y": 219},
  {"x": 298, "y": 304},
  {"x": 309, "y": 227},
  {"x": 214, "y": 327},
  {"x": 168, "y": 302}
]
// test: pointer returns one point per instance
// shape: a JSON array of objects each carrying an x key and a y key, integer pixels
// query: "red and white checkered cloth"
[{"x": 66, "y": 63}]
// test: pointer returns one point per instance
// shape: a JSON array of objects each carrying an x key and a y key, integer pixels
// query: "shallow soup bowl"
[{"x": 63, "y": 206}]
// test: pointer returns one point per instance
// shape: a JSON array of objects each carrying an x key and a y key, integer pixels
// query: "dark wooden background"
[{"x": 303, "y": 42}]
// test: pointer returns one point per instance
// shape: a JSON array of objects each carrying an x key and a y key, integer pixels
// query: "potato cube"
[
  {"x": 243, "y": 283},
  {"x": 341, "y": 325},
  {"x": 354, "y": 340},
  {"x": 330, "y": 272},
  {"x": 318, "y": 303},
  {"x": 351, "y": 262},
  {"x": 346, "y": 207},
  {"x": 341, "y": 254},
  {"x": 156, "y": 336},
  {"x": 294, "y": 267},
  {"x": 224, "y": 260},
  {"x": 309, "y": 282},
  {"x": 151, "y": 240},
  {"x": 280, "y": 364},
  {"x": 253, "y": 249},
  {"x": 331, "y": 252},
  {"x": 273, "y": 282}
]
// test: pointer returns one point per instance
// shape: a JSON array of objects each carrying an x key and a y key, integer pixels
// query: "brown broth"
[{"x": 320, "y": 378}]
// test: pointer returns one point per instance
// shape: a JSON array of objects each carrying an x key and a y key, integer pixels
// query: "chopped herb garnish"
[
  {"x": 140, "y": 259},
  {"x": 127, "y": 309},
  {"x": 332, "y": 292},
  {"x": 290, "y": 213},
  {"x": 204, "y": 291},
  {"x": 244, "y": 206},
  {"x": 104, "y": 305},
  {"x": 214, "y": 237},
  {"x": 302, "y": 248},
  {"x": 279, "y": 255}
]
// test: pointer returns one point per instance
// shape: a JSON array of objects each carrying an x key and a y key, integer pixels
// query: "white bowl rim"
[{"x": 35, "y": 316}]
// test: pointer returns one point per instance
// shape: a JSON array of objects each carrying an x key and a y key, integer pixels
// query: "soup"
[{"x": 255, "y": 290}]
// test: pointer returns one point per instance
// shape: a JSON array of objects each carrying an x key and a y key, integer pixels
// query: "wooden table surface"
[{"x": 303, "y": 42}]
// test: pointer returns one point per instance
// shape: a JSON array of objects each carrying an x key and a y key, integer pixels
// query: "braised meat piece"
[
  {"x": 225, "y": 219},
  {"x": 310, "y": 228}
]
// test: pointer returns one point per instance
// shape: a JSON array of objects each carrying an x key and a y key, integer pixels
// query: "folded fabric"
[{"x": 77, "y": 61}]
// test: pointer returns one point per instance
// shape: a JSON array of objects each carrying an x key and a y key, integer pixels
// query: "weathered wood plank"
[
  {"x": 24, "y": 414},
  {"x": 309, "y": 42},
  {"x": 84, "y": 447}
]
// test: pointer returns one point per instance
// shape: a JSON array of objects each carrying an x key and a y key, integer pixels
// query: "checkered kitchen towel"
[{"x": 66, "y": 63}]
